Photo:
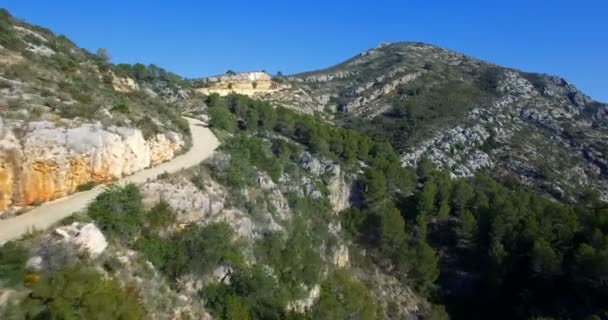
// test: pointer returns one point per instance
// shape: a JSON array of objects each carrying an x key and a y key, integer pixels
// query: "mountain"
[
  {"x": 409, "y": 182},
  {"x": 465, "y": 115}
]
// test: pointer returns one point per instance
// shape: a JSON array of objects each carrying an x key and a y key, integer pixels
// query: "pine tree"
[
  {"x": 392, "y": 230},
  {"x": 427, "y": 197},
  {"x": 425, "y": 270},
  {"x": 375, "y": 183},
  {"x": 467, "y": 230}
]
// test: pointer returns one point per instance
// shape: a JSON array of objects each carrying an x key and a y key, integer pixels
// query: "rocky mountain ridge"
[
  {"x": 335, "y": 211},
  {"x": 465, "y": 115}
]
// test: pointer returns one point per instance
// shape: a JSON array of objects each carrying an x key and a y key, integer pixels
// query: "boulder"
[{"x": 86, "y": 238}]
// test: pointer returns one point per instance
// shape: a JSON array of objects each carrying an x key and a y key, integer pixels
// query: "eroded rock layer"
[{"x": 49, "y": 161}]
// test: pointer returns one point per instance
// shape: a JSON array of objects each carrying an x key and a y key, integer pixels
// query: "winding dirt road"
[{"x": 204, "y": 143}]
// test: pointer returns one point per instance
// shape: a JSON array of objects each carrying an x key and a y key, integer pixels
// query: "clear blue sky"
[{"x": 200, "y": 38}]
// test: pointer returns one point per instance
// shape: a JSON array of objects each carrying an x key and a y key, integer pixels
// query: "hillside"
[
  {"x": 465, "y": 115},
  {"x": 409, "y": 182},
  {"x": 69, "y": 119}
]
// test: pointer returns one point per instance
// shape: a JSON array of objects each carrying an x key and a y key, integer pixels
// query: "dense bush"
[
  {"x": 247, "y": 156},
  {"x": 344, "y": 298},
  {"x": 514, "y": 241},
  {"x": 119, "y": 212},
  {"x": 159, "y": 217},
  {"x": 12, "y": 264},
  {"x": 200, "y": 249},
  {"x": 150, "y": 73},
  {"x": 237, "y": 112},
  {"x": 196, "y": 250},
  {"x": 78, "y": 293},
  {"x": 8, "y": 37},
  {"x": 295, "y": 258},
  {"x": 252, "y": 294}
]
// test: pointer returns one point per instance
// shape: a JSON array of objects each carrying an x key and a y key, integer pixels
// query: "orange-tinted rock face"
[
  {"x": 39, "y": 183},
  {"x": 8, "y": 162},
  {"x": 6, "y": 186},
  {"x": 51, "y": 163},
  {"x": 44, "y": 181}
]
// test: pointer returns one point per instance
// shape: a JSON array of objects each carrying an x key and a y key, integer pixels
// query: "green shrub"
[
  {"x": 344, "y": 298},
  {"x": 12, "y": 264},
  {"x": 245, "y": 155},
  {"x": 8, "y": 37},
  {"x": 201, "y": 249},
  {"x": 222, "y": 119},
  {"x": 80, "y": 293},
  {"x": 158, "y": 251},
  {"x": 121, "y": 107},
  {"x": 295, "y": 258},
  {"x": 251, "y": 291},
  {"x": 118, "y": 212},
  {"x": 160, "y": 216}
]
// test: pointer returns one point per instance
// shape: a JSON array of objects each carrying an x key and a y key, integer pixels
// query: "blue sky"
[{"x": 200, "y": 38}]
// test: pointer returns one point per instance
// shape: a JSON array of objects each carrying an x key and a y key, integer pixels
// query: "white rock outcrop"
[
  {"x": 86, "y": 238},
  {"x": 246, "y": 83},
  {"x": 190, "y": 204},
  {"x": 124, "y": 84},
  {"x": 50, "y": 161}
]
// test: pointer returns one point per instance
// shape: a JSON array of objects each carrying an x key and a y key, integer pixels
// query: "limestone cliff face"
[
  {"x": 50, "y": 161},
  {"x": 248, "y": 83}
]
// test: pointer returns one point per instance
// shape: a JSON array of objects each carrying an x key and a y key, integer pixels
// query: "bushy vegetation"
[
  {"x": 424, "y": 106},
  {"x": 253, "y": 293},
  {"x": 248, "y": 155},
  {"x": 119, "y": 212},
  {"x": 12, "y": 264},
  {"x": 240, "y": 113},
  {"x": 295, "y": 258},
  {"x": 518, "y": 241},
  {"x": 74, "y": 83},
  {"x": 344, "y": 298},
  {"x": 199, "y": 250},
  {"x": 8, "y": 38},
  {"x": 151, "y": 74},
  {"x": 75, "y": 292}
]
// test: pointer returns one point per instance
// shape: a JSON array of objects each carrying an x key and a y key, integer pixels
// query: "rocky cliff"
[
  {"x": 247, "y": 83},
  {"x": 70, "y": 118},
  {"x": 43, "y": 160}
]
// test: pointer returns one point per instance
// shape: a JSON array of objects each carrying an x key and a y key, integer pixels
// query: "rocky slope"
[
  {"x": 294, "y": 217},
  {"x": 465, "y": 115},
  {"x": 69, "y": 118}
]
